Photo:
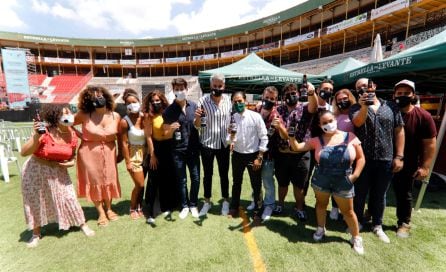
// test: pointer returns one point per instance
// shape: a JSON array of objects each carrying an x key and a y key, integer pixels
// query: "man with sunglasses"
[{"x": 289, "y": 165}]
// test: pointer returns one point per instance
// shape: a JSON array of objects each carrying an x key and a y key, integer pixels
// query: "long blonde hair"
[{"x": 351, "y": 98}]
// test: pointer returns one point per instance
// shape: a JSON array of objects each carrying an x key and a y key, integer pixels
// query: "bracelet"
[{"x": 399, "y": 157}]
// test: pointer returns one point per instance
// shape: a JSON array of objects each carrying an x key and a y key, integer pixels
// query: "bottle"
[
  {"x": 177, "y": 135},
  {"x": 41, "y": 129},
  {"x": 271, "y": 128},
  {"x": 203, "y": 118},
  {"x": 232, "y": 126},
  {"x": 370, "y": 99},
  {"x": 303, "y": 97},
  {"x": 292, "y": 129}
]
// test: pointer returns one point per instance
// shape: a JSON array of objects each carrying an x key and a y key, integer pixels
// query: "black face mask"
[
  {"x": 216, "y": 92},
  {"x": 267, "y": 105},
  {"x": 344, "y": 104},
  {"x": 291, "y": 100},
  {"x": 156, "y": 107},
  {"x": 325, "y": 95},
  {"x": 403, "y": 101},
  {"x": 99, "y": 102}
]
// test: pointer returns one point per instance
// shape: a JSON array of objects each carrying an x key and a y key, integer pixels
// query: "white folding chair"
[{"x": 7, "y": 157}]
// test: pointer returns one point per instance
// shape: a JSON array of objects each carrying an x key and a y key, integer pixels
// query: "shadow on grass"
[
  {"x": 51, "y": 229},
  {"x": 121, "y": 208}
]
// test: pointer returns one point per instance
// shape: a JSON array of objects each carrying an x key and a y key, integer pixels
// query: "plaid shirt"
[
  {"x": 300, "y": 116},
  {"x": 274, "y": 140}
]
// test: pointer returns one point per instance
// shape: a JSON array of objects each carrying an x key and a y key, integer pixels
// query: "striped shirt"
[{"x": 218, "y": 118}]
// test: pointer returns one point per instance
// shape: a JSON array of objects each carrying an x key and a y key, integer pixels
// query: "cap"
[{"x": 405, "y": 82}]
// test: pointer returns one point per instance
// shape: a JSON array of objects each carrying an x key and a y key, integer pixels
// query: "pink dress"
[
  {"x": 96, "y": 162},
  {"x": 48, "y": 194}
]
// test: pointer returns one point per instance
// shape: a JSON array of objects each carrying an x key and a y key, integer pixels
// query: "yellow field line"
[{"x": 259, "y": 265}]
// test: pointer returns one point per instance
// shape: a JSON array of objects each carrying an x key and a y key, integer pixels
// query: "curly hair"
[
  {"x": 87, "y": 97},
  {"x": 51, "y": 113},
  {"x": 129, "y": 92},
  {"x": 147, "y": 101}
]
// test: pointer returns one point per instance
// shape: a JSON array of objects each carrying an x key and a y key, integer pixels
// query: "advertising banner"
[
  {"x": 128, "y": 61},
  {"x": 179, "y": 59},
  {"x": 232, "y": 53},
  {"x": 16, "y": 77},
  {"x": 300, "y": 38},
  {"x": 347, "y": 23},
  {"x": 82, "y": 61},
  {"x": 149, "y": 61},
  {"x": 389, "y": 8}
]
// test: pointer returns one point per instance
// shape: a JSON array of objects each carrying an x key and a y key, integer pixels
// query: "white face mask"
[
  {"x": 330, "y": 127},
  {"x": 133, "y": 107},
  {"x": 180, "y": 95},
  {"x": 67, "y": 120}
]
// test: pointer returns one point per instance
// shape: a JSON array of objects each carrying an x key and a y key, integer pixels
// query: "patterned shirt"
[
  {"x": 274, "y": 139},
  {"x": 377, "y": 133},
  {"x": 218, "y": 118},
  {"x": 300, "y": 116}
]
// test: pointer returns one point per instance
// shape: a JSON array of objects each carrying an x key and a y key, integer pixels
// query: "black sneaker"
[
  {"x": 301, "y": 215},
  {"x": 278, "y": 210}
]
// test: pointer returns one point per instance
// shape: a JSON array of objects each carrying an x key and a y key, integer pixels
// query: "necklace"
[{"x": 62, "y": 132}]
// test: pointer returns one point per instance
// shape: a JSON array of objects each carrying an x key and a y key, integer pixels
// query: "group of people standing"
[{"x": 357, "y": 144}]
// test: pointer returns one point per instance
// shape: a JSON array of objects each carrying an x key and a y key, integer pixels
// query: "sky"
[{"x": 131, "y": 19}]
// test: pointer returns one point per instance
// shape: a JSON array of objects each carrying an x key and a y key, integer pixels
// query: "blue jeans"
[
  {"x": 268, "y": 182},
  {"x": 375, "y": 180},
  {"x": 192, "y": 160}
]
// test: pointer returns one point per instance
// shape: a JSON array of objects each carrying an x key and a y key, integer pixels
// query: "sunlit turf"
[{"x": 216, "y": 243}]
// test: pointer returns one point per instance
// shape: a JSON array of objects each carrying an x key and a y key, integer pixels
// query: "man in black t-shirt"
[{"x": 420, "y": 142}]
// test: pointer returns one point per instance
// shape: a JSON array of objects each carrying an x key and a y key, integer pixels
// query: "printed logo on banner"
[
  {"x": 16, "y": 75},
  {"x": 347, "y": 23},
  {"x": 389, "y": 8}
]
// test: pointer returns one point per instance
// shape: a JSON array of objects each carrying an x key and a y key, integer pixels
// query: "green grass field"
[{"x": 216, "y": 243}]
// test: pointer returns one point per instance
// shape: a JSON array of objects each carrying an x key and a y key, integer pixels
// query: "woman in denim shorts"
[{"x": 335, "y": 153}]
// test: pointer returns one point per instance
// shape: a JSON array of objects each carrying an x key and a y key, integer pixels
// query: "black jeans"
[
  {"x": 403, "y": 186},
  {"x": 191, "y": 159},
  {"x": 374, "y": 180},
  {"x": 207, "y": 159},
  {"x": 239, "y": 163},
  {"x": 162, "y": 180}
]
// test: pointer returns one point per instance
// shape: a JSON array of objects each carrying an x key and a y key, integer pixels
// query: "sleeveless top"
[
  {"x": 136, "y": 136},
  {"x": 157, "y": 128},
  {"x": 50, "y": 150}
]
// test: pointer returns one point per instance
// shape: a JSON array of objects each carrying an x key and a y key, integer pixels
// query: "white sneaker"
[
  {"x": 183, "y": 213},
  {"x": 33, "y": 242},
  {"x": 225, "y": 208},
  {"x": 334, "y": 213},
  {"x": 266, "y": 215},
  {"x": 87, "y": 231},
  {"x": 319, "y": 234},
  {"x": 167, "y": 213},
  {"x": 194, "y": 212},
  {"x": 251, "y": 206},
  {"x": 151, "y": 220},
  {"x": 378, "y": 231},
  {"x": 206, "y": 207},
  {"x": 357, "y": 245}
]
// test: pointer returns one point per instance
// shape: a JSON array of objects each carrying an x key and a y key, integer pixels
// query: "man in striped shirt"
[{"x": 217, "y": 108}]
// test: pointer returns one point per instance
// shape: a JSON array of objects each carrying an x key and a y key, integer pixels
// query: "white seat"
[{"x": 6, "y": 157}]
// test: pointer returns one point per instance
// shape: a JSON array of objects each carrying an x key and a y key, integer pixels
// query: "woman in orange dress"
[{"x": 96, "y": 163}]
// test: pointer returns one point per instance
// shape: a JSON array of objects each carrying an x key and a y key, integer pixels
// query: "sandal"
[
  {"x": 111, "y": 215},
  {"x": 102, "y": 221},
  {"x": 140, "y": 212},
  {"x": 134, "y": 214}
]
